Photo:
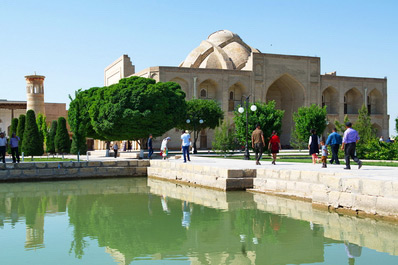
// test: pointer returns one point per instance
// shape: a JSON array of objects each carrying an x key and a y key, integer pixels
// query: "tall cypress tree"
[
  {"x": 21, "y": 129},
  {"x": 42, "y": 126},
  {"x": 32, "y": 144},
  {"x": 50, "y": 146},
  {"x": 62, "y": 141}
]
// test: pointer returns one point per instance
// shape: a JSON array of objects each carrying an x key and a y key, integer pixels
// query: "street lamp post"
[
  {"x": 241, "y": 110},
  {"x": 195, "y": 119}
]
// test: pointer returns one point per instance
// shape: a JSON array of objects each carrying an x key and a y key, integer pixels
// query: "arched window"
[
  {"x": 345, "y": 105},
  {"x": 203, "y": 93},
  {"x": 231, "y": 95}
]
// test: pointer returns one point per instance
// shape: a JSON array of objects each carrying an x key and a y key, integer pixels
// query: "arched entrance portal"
[{"x": 289, "y": 95}]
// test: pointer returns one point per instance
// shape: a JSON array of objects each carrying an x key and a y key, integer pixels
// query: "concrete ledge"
[
  {"x": 213, "y": 177},
  {"x": 72, "y": 170},
  {"x": 341, "y": 191}
]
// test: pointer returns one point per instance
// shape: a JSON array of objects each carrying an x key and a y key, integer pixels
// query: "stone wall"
[
  {"x": 375, "y": 196},
  {"x": 206, "y": 176},
  {"x": 72, "y": 170}
]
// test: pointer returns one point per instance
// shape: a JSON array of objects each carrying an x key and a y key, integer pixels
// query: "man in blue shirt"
[
  {"x": 185, "y": 143},
  {"x": 350, "y": 139},
  {"x": 334, "y": 140}
]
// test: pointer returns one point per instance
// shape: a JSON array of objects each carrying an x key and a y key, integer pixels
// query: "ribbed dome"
[{"x": 223, "y": 49}]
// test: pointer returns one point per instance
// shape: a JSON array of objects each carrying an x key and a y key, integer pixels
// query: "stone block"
[
  {"x": 235, "y": 173},
  {"x": 87, "y": 171},
  {"x": 143, "y": 163},
  {"x": 4, "y": 174},
  {"x": 365, "y": 203},
  {"x": 372, "y": 187},
  {"x": 295, "y": 175},
  {"x": 122, "y": 163},
  {"x": 45, "y": 172},
  {"x": 310, "y": 176},
  {"x": 55, "y": 165},
  {"x": 108, "y": 163},
  {"x": 2, "y": 166},
  {"x": 94, "y": 164},
  {"x": 141, "y": 171},
  {"x": 25, "y": 166},
  {"x": 29, "y": 172},
  {"x": 387, "y": 206},
  {"x": 303, "y": 189},
  {"x": 320, "y": 196},
  {"x": 41, "y": 165},
  {"x": 346, "y": 199},
  {"x": 284, "y": 174},
  {"x": 334, "y": 197},
  {"x": 10, "y": 165},
  {"x": 72, "y": 171},
  {"x": 331, "y": 182},
  {"x": 134, "y": 163},
  {"x": 351, "y": 185}
]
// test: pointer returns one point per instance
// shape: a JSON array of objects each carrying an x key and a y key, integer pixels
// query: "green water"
[{"x": 140, "y": 221}]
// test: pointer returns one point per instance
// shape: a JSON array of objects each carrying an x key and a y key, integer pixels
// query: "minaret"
[{"x": 35, "y": 93}]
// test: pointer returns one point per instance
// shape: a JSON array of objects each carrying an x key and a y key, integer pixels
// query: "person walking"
[
  {"x": 313, "y": 146},
  {"x": 334, "y": 140},
  {"x": 14, "y": 147},
  {"x": 150, "y": 147},
  {"x": 324, "y": 157},
  {"x": 115, "y": 148},
  {"x": 258, "y": 143},
  {"x": 274, "y": 145},
  {"x": 185, "y": 143},
  {"x": 3, "y": 147},
  {"x": 350, "y": 139},
  {"x": 163, "y": 147}
]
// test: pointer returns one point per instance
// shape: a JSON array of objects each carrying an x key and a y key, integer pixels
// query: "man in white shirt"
[
  {"x": 3, "y": 147},
  {"x": 185, "y": 143}
]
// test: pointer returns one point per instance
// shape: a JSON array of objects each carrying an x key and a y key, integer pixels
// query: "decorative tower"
[{"x": 35, "y": 93}]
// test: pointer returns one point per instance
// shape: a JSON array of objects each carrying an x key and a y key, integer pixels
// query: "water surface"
[{"x": 140, "y": 221}]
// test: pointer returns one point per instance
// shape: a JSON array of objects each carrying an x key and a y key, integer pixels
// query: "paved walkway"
[{"x": 372, "y": 172}]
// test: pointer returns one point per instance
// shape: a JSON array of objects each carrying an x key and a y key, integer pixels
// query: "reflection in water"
[{"x": 133, "y": 221}]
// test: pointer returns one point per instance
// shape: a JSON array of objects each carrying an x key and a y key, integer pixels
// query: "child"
[{"x": 324, "y": 153}]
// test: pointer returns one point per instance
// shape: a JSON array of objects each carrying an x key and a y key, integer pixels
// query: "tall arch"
[
  {"x": 183, "y": 84},
  {"x": 375, "y": 102},
  {"x": 330, "y": 99},
  {"x": 235, "y": 93},
  {"x": 289, "y": 95},
  {"x": 352, "y": 101},
  {"x": 211, "y": 88}
]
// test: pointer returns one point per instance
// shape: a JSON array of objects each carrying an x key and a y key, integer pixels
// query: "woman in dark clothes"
[{"x": 313, "y": 146}]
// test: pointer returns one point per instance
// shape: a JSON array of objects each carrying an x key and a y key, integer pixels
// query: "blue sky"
[{"x": 71, "y": 42}]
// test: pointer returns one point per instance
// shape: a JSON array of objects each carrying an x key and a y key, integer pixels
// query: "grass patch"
[{"x": 50, "y": 159}]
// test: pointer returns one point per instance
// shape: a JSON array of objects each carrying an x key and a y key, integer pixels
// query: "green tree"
[
  {"x": 32, "y": 144},
  {"x": 296, "y": 142},
  {"x": 21, "y": 129},
  {"x": 62, "y": 141},
  {"x": 396, "y": 125},
  {"x": 13, "y": 129},
  {"x": 266, "y": 115},
  {"x": 308, "y": 118},
  {"x": 201, "y": 109},
  {"x": 135, "y": 108},
  {"x": 76, "y": 120},
  {"x": 224, "y": 138},
  {"x": 50, "y": 146},
  {"x": 42, "y": 126},
  {"x": 364, "y": 127},
  {"x": 341, "y": 126}
]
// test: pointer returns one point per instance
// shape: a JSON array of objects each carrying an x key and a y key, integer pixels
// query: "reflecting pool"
[{"x": 146, "y": 221}]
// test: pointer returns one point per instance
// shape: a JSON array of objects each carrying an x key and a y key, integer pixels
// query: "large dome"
[{"x": 223, "y": 49}]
